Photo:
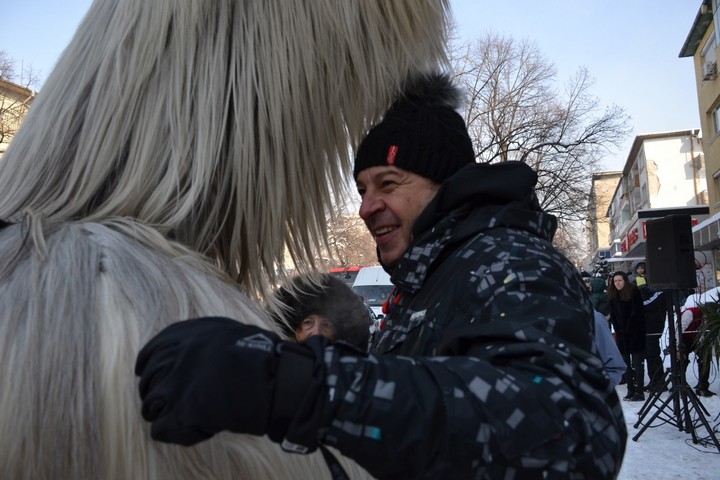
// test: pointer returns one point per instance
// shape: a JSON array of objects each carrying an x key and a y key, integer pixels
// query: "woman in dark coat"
[{"x": 628, "y": 319}]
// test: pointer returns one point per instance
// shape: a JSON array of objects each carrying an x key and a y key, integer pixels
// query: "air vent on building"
[
  {"x": 699, "y": 161},
  {"x": 709, "y": 70},
  {"x": 704, "y": 197}
]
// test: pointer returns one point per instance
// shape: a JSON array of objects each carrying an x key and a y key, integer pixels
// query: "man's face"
[{"x": 392, "y": 199}]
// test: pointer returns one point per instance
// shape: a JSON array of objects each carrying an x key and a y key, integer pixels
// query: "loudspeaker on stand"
[{"x": 670, "y": 253}]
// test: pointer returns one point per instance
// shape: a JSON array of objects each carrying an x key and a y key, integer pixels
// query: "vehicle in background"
[
  {"x": 374, "y": 286},
  {"x": 346, "y": 274}
]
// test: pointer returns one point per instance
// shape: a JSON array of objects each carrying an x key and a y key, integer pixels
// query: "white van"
[{"x": 374, "y": 286}]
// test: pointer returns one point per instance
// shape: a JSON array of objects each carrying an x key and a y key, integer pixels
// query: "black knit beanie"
[{"x": 421, "y": 132}]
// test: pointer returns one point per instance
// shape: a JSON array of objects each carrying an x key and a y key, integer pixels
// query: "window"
[
  {"x": 625, "y": 214},
  {"x": 715, "y": 120},
  {"x": 708, "y": 51},
  {"x": 716, "y": 18},
  {"x": 641, "y": 160}
]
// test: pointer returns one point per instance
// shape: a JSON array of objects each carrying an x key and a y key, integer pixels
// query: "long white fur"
[
  {"x": 219, "y": 123},
  {"x": 68, "y": 398},
  {"x": 176, "y": 150}
]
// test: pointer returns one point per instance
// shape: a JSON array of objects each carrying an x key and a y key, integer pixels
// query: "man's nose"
[{"x": 370, "y": 205}]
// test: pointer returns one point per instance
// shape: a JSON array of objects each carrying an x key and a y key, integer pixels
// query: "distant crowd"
[{"x": 636, "y": 314}]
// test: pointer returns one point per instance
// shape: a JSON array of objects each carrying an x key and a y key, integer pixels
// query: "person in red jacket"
[{"x": 691, "y": 320}]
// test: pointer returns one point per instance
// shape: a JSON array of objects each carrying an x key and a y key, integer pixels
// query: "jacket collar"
[
  {"x": 477, "y": 185},
  {"x": 477, "y": 198}
]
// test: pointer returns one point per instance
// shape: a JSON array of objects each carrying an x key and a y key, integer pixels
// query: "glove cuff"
[{"x": 297, "y": 384}]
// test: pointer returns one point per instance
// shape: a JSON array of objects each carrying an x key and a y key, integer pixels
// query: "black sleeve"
[{"x": 403, "y": 417}]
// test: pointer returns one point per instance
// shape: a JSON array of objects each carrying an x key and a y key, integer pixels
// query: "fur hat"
[
  {"x": 421, "y": 132},
  {"x": 323, "y": 294}
]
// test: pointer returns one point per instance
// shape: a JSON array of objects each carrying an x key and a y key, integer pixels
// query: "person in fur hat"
[{"x": 322, "y": 305}]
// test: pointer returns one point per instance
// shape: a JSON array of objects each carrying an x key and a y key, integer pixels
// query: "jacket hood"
[
  {"x": 636, "y": 263},
  {"x": 507, "y": 187},
  {"x": 597, "y": 285}
]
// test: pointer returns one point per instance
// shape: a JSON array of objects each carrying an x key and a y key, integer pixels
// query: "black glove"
[{"x": 202, "y": 376}]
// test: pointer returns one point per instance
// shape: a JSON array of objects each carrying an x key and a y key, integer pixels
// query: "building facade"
[
  {"x": 15, "y": 101},
  {"x": 664, "y": 174},
  {"x": 602, "y": 188},
  {"x": 702, "y": 45}
]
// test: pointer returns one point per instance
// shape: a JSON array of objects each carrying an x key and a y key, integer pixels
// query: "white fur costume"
[{"x": 176, "y": 150}]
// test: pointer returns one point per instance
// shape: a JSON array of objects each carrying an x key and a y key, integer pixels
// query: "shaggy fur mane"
[
  {"x": 220, "y": 124},
  {"x": 79, "y": 300},
  {"x": 177, "y": 150}
]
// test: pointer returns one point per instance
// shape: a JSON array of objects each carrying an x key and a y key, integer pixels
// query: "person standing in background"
[
  {"x": 638, "y": 277},
  {"x": 691, "y": 321},
  {"x": 654, "y": 303},
  {"x": 599, "y": 296},
  {"x": 628, "y": 319}
]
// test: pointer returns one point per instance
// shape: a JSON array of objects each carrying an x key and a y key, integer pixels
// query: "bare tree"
[
  {"x": 570, "y": 241},
  {"x": 349, "y": 241},
  {"x": 28, "y": 77},
  {"x": 7, "y": 66},
  {"x": 16, "y": 95},
  {"x": 516, "y": 111}
]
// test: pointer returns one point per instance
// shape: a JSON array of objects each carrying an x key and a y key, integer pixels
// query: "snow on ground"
[{"x": 663, "y": 452}]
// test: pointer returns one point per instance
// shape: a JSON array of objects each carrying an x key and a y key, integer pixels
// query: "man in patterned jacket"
[{"x": 485, "y": 367}]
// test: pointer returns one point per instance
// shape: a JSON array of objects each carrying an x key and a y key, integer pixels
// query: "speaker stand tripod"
[{"x": 683, "y": 398}]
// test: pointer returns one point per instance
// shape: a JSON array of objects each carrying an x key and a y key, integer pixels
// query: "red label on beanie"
[{"x": 392, "y": 153}]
